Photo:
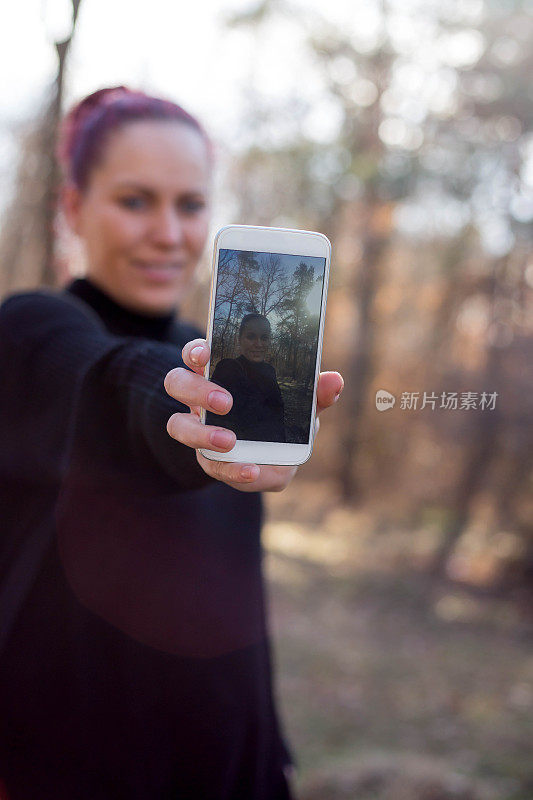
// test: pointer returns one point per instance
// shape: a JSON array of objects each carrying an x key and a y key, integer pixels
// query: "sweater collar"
[{"x": 119, "y": 320}]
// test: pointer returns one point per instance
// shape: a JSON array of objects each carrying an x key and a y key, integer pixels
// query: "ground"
[{"x": 390, "y": 687}]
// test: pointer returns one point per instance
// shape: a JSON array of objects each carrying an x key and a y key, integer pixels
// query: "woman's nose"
[{"x": 167, "y": 228}]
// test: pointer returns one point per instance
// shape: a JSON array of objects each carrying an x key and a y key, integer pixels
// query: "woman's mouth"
[{"x": 159, "y": 272}]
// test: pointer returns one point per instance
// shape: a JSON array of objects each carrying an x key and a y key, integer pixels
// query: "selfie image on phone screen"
[{"x": 264, "y": 343}]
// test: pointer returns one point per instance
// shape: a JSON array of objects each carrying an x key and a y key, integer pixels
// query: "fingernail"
[
  {"x": 195, "y": 354},
  {"x": 249, "y": 473},
  {"x": 218, "y": 400},
  {"x": 221, "y": 438}
]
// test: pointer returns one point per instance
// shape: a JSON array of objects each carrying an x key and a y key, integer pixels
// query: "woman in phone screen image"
[
  {"x": 134, "y": 647},
  {"x": 257, "y": 413}
]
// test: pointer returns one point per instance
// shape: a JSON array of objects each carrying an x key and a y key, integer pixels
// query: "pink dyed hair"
[{"x": 86, "y": 127}]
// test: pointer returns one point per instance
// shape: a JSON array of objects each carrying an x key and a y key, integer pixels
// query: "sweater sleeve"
[{"x": 115, "y": 385}]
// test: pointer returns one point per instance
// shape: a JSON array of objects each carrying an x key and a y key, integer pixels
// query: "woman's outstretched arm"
[
  {"x": 116, "y": 391},
  {"x": 61, "y": 358}
]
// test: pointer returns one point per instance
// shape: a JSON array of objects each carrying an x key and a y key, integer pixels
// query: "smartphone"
[{"x": 266, "y": 320}]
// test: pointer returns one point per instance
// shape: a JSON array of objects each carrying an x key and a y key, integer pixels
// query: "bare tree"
[
  {"x": 234, "y": 274},
  {"x": 27, "y": 243}
]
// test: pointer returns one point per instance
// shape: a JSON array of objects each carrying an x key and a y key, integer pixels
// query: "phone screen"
[{"x": 264, "y": 343}]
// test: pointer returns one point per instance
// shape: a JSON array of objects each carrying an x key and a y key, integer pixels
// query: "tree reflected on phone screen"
[{"x": 265, "y": 336}]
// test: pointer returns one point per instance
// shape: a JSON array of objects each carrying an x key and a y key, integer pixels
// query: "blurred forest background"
[{"x": 401, "y": 559}]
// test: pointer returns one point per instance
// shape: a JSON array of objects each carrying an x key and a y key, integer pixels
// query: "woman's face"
[
  {"x": 255, "y": 340},
  {"x": 144, "y": 215}
]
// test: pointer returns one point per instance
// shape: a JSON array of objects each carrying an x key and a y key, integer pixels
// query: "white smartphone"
[{"x": 266, "y": 321}]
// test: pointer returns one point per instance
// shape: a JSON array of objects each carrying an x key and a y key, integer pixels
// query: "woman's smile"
[{"x": 159, "y": 272}]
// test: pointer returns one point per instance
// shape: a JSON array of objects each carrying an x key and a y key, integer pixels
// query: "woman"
[
  {"x": 257, "y": 413},
  {"x": 137, "y": 665}
]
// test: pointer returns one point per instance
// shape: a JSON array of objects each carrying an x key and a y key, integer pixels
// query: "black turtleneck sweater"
[
  {"x": 257, "y": 413},
  {"x": 138, "y": 666}
]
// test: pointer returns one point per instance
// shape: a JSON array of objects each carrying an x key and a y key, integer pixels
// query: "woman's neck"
[{"x": 118, "y": 319}]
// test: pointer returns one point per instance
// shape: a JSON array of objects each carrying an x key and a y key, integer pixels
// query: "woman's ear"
[{"x": 70, "y": 201}]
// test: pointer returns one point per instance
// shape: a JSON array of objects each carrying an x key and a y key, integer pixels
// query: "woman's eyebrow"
[
  {"x": 139, "y": 187},
  {"x": 132, "y": 186}
]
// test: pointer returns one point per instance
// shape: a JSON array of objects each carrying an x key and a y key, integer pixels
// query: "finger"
[
  {"x": 187, "y": 429},
  {"x": 329, "y": 389},
  {"x": 268, "y": 478},
  {"x": 194, "y": 390},
  {"x": 196, "y": 354},
  {"x": 234, "y": 474}
]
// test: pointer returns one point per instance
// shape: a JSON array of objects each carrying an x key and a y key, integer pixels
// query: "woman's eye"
[
  {"x": 132, "y": 202},
  {"x": 192, "y": 206}
]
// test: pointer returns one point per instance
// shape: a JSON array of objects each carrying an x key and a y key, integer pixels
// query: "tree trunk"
[
  {"x": 359, "y": 367},
  {"x": 27, "y": 244}
]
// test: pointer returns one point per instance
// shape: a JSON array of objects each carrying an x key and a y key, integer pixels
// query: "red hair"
[{"x": 88, "y": 124}]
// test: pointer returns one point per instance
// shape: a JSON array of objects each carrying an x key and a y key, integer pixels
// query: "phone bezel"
[{"x": 286, "y": 241}]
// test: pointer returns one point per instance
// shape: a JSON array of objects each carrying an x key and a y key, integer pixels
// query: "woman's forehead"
[{"x": 155, "y": 152}]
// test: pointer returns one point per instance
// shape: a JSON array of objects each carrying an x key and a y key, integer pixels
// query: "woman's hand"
[{"x": 193, "y": 390}]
